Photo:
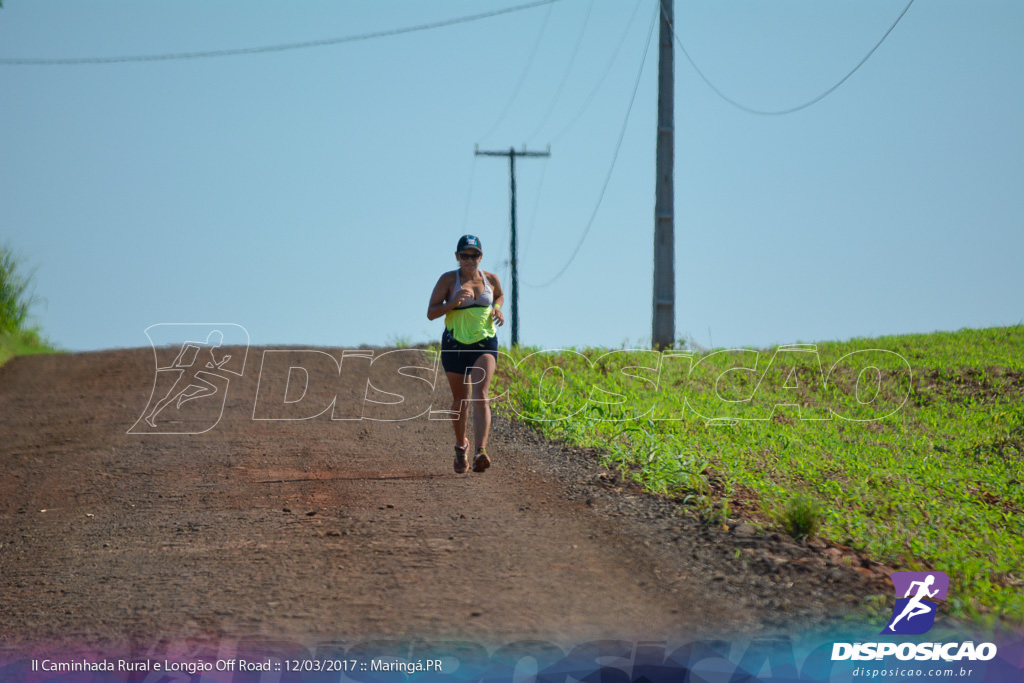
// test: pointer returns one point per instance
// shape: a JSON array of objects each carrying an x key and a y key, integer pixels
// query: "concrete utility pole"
[
  {"x": 512, "y": 154},
  {"x": 663, "y": 320}
]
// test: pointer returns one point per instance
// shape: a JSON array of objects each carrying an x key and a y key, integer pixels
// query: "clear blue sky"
[{"x": 315, "y": 195}]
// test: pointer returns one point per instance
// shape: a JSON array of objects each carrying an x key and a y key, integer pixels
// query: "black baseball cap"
[{"x": 469, "y": 242}]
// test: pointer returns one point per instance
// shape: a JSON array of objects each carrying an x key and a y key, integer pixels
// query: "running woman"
[{"x": 470, "y": 301}]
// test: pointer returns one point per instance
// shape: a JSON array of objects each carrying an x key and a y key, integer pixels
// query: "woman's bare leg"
[
  {"x": 460, "y": 405},
  {"x": 481, "y": 386}
]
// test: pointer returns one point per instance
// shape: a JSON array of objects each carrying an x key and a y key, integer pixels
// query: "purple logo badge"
[{"x": 917, "y": 598}]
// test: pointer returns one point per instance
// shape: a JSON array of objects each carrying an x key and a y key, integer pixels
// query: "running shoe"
[
  {"x": 481, "y": 462},
  {"x": 461, "y": 462}
]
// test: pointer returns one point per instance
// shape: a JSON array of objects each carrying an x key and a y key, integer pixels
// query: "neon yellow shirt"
[
  {"x": 472, "y": 322},
  {"x": 470, "y": 325}
]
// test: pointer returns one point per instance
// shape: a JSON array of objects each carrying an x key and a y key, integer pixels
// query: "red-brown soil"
[{"x": 323, "y": 529}]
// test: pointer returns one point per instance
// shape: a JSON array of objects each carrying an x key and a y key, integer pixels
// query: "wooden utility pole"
[
  {"x": 512, "y": 154},
  {"x": 663, "y": 320}
]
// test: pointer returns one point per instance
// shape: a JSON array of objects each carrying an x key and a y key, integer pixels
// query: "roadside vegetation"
[
  {"x": 909, "y": 448},
  {"x": 17, "y": 336}
]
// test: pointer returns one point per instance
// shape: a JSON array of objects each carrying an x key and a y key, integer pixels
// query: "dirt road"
[{"x": 327, "y": 529}]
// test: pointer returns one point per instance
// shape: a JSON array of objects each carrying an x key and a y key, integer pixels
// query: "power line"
[
  {"x": 805, "y": 105},
  {"x": 19, "y": 61},
  {"x": 600, "y": 81},
  {"x": 469, "y": 195},
  {"x": 513, "y": 247},
  {"x": 615, "y": 156},
  {"x": 536, "y": 206},
  {"x": 522, "y": 77},
  {"x": 565, "y": 75}
]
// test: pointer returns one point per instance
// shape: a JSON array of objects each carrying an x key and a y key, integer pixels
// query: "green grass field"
[
  {"x": 21, "y": 344},
  {"x": 17, "y": 337},
  {"x": 909, "y": 449}
]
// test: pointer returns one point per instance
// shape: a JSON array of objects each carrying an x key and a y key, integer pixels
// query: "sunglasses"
[{"x": 469, "y": 255}]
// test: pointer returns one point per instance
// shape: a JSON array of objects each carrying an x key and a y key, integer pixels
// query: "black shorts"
[{"x": 458, "y": 357}]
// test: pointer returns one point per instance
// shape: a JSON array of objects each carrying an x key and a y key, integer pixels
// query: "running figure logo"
[
  {"x": 914, "y": 612},
  {"x": 189, "y": 392}
]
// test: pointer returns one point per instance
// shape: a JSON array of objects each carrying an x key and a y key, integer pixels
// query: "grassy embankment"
[
  {"x": 918, "y": 461},
  {"x": 16, "y": 336}
]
